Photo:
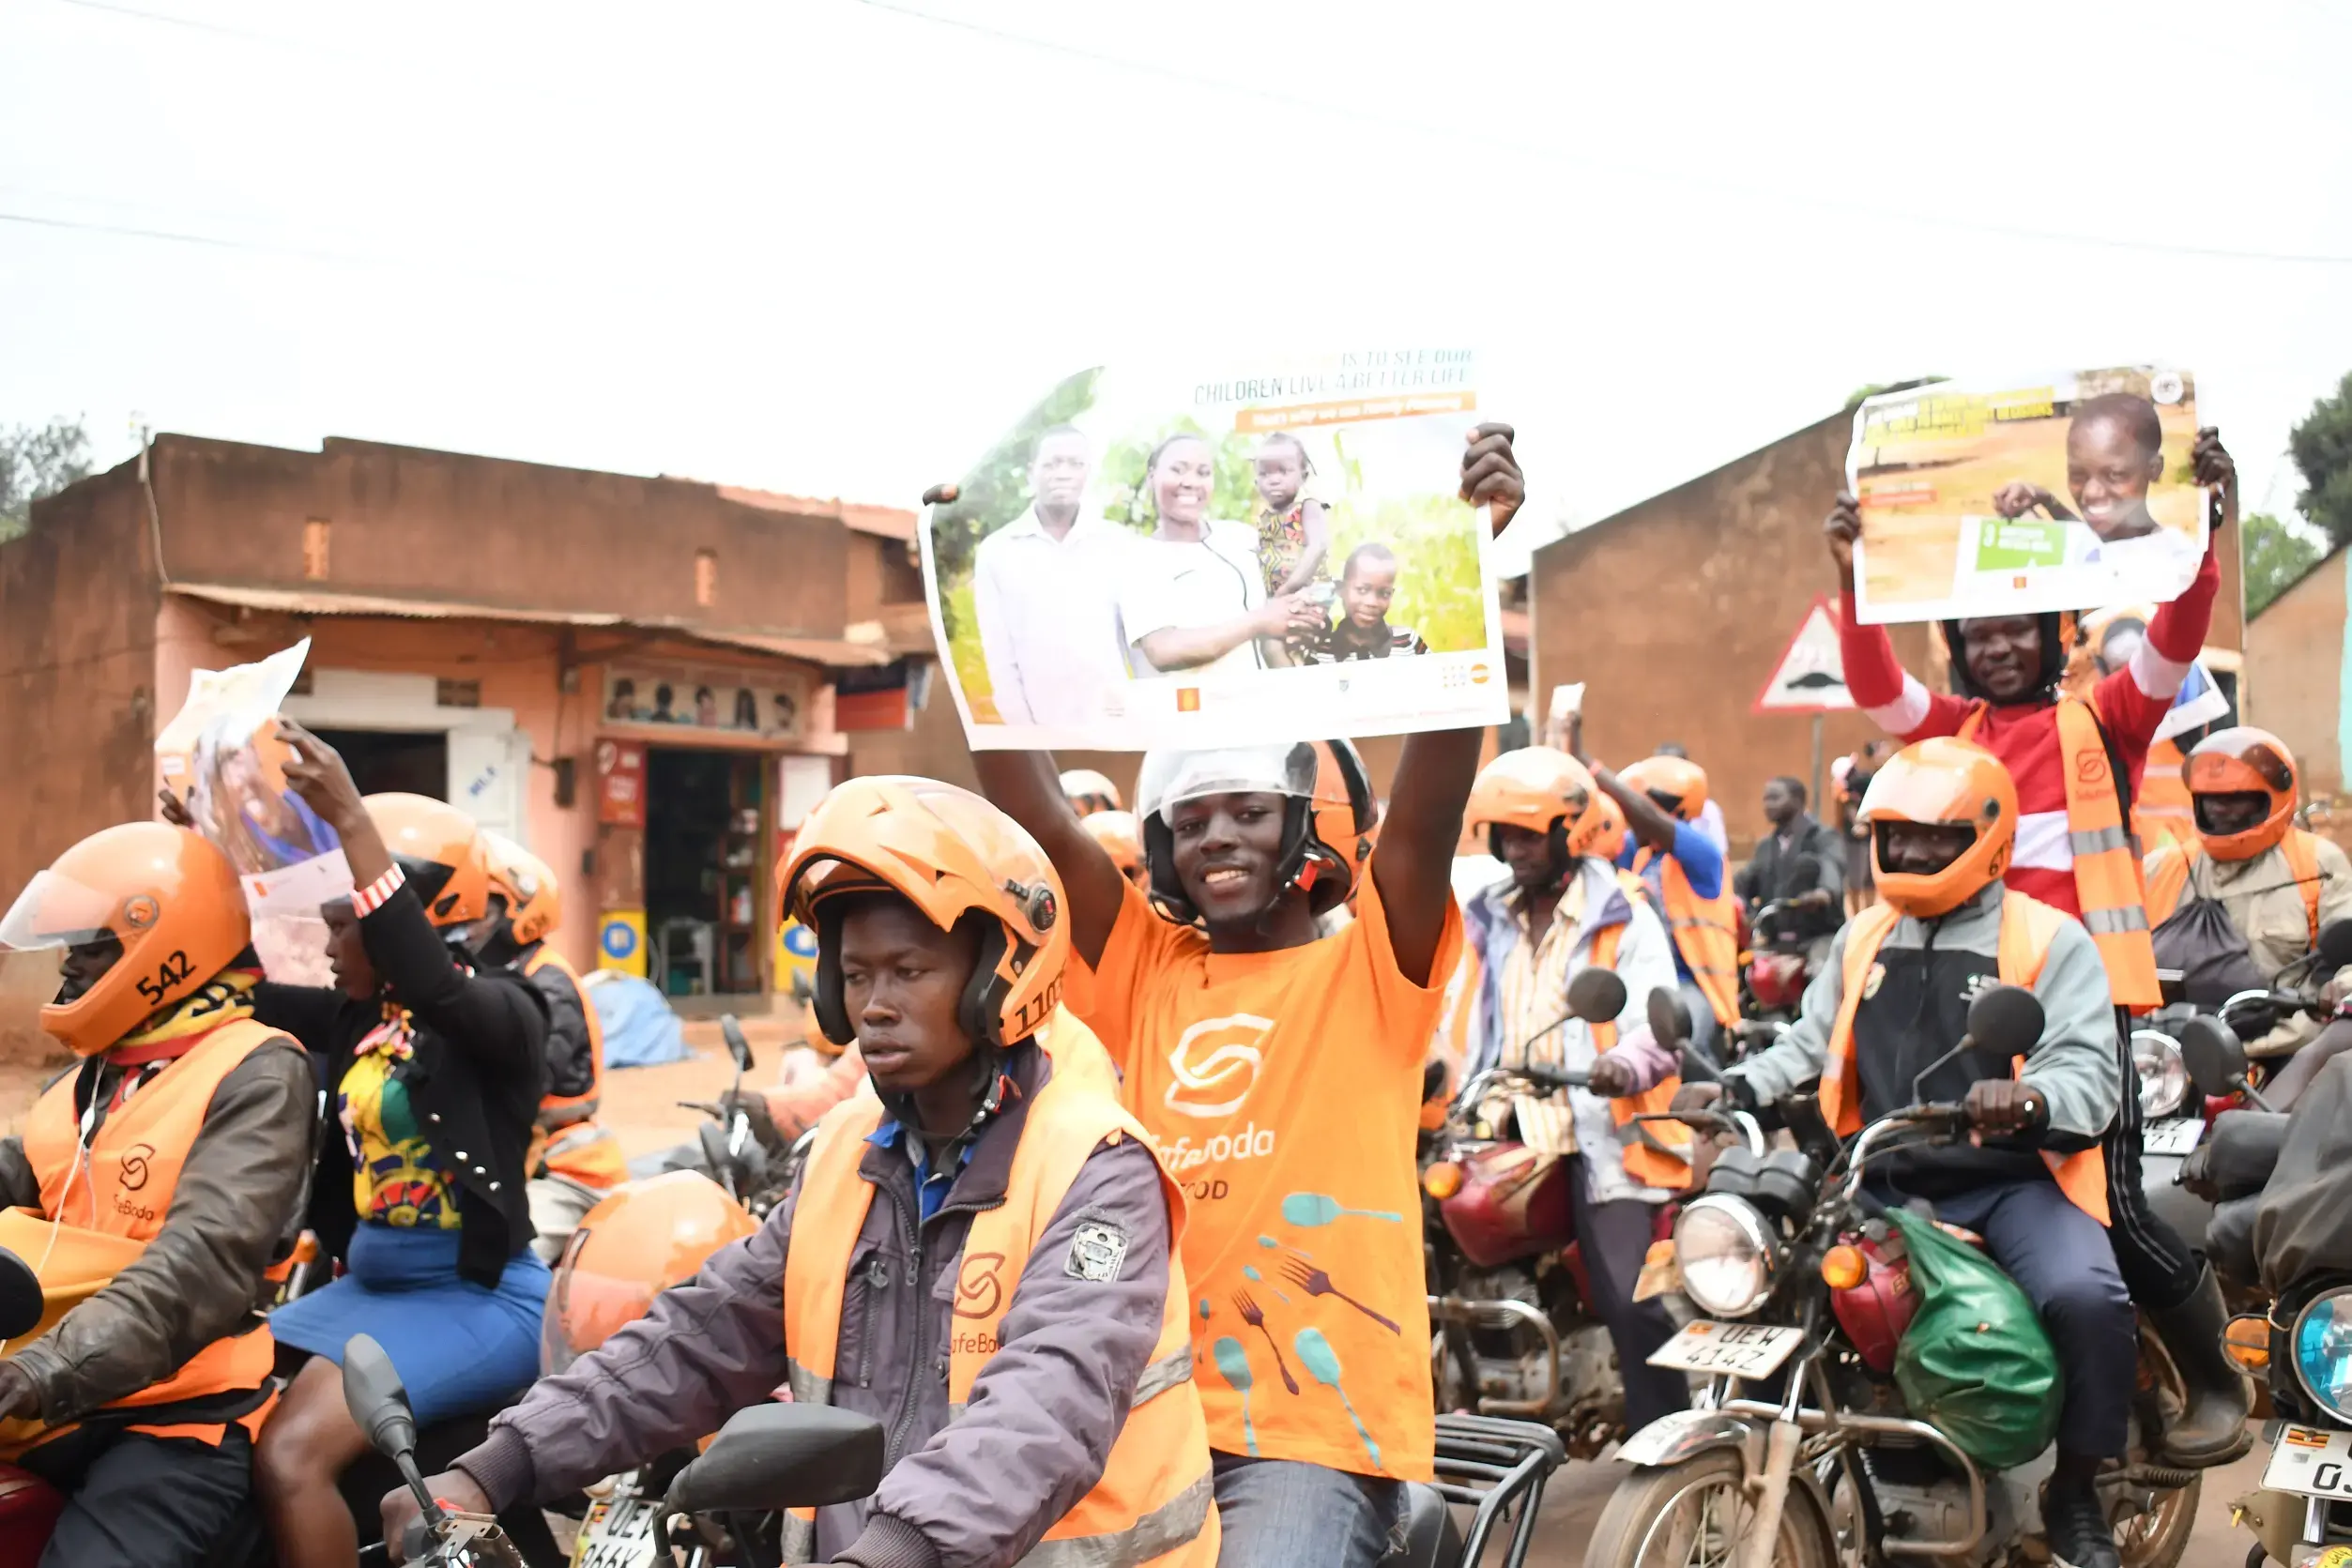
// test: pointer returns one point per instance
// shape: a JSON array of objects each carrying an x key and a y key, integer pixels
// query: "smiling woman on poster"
[{"x": 1194, "y": 598}]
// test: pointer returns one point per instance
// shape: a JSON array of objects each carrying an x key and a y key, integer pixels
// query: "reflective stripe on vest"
[
  {"x": 2106, "y": 862},
  {"x": 121, "y": 1196},
  {"x": 2028, "y": 926},
  {"x": 1705, "y": 933},
  {"x": 560, "y": 1110},
  {"x": 1654, "y": 1154},
  {"x": 2170, "y": 868},
  {"x": 1154, "y": 1502},
  {"x": 2160, "y": 808}
]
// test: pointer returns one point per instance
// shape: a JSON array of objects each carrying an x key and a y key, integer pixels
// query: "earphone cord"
[{"x": 58, "y": 1221}]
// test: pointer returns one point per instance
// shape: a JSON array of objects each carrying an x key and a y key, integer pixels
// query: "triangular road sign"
[{"x": 1810, "y": 675}]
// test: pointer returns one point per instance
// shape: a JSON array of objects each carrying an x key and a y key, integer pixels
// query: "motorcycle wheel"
[
  {"x": 1697, "y": 1514},
  {"x": 2159, "y": 1538}
]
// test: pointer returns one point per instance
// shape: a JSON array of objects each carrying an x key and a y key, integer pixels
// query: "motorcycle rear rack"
[
  {"x": 1490, "y": 1466},
  {"x": 1502, "y": 1314}
]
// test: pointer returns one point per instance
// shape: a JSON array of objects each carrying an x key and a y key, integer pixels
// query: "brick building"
[
  {"x": 554, "y": 649},
  {"x": 2298, "y": 682},
  {"x": 1675, "y": 610}
]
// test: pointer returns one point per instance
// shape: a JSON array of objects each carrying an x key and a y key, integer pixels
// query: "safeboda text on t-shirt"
[{"x": 1283, "y": 1092}]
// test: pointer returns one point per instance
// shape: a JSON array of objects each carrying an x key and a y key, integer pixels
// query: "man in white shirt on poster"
[{"x": 1045, "y": 593}]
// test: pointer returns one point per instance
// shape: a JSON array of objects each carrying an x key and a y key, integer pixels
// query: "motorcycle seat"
[
  {"x": 29, "y": 1507},
  {"x": 1431, "y": 1538}
]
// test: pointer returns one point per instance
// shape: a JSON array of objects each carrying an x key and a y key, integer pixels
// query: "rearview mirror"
[
  {"x": 737, "y": 1046},
  {"x": 1596, "y": 995},
  {"x": 1670, "y": 1017},
  {"x": 2334, "y": 946},
  {"x": 777, "y": 1456},
  {"x": 372, "y": 1391},
  {"x": 2006, "y": 1021},
  {"x": 2209, "y": 1049},
  {"x": 21, "y": 1299}
]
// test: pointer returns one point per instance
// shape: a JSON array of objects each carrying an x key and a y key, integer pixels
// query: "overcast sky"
[{"x": 832, "y": 246}]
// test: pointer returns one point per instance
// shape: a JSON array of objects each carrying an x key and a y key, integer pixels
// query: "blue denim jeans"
[{"x": 1280, "y": 1514}]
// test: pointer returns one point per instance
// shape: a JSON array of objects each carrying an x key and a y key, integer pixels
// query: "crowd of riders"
[{"x": 1112, "y": 1214}]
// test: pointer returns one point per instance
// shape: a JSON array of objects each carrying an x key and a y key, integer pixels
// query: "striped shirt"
[{"x": 1535, "y": 982}]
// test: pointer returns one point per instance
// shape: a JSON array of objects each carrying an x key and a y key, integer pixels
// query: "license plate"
[
  {"x": 2176, "y": 1136},
  {"x": 2310, "y": 1462},
  {"x": 1735, "y": 1349},
  {"x": 619, "y": 1531}
]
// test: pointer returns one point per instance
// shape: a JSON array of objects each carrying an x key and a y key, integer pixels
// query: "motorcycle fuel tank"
[
  {"x": 1513, "y": 1204},
  {"x": 1874, "y": 1313}
]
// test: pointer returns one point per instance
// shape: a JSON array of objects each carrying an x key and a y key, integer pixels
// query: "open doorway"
[
  {"x": 705, "y": 893},
  {"x": 408, "y": 762}
]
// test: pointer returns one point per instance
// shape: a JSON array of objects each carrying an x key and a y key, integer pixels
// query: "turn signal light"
[
  {"x": 1842, "y": 1267},
  {"x": 1442, "y": 1181},
  {"x": 2246, "y": 1341}
]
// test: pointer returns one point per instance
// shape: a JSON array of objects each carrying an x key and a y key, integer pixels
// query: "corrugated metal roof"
[{"x": 307, "y": 602}]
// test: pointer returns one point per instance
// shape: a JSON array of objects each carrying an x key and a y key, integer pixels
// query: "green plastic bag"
[{"x": 1975, "y": 1361}]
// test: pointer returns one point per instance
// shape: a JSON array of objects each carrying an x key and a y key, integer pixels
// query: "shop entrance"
[
  {"x": 410, "y": 762},
  {"x": 706, "y": 894}
]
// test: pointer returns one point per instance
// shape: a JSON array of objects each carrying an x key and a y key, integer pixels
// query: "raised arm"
[
  {"x": 1414, "y": 861},
  {"x": 1895, "y": 700},
  {"x": 1024, "y": 786},
  {"x": 1644, "y": 820}
]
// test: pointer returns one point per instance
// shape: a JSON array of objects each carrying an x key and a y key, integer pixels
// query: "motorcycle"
[
  {"x": 30, "y": 1506},
  {"x": 1806, "y": 1286},
  {"x": 1517, "y": 1332},
  {"x": 1774, "y": 970},
  {"x": 731, "y": 1152}
]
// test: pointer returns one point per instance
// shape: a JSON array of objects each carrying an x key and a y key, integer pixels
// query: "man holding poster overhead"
[
  {"x": 1279, "y": 1071},
  {"x": 2077, "y": 763}
]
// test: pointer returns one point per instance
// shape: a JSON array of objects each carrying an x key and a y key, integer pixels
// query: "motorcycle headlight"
[
  {"x": 1725, "y": 1254},
  {"x": 2163, "y": 1077},
  {"x": 2323, "y": 1352}
]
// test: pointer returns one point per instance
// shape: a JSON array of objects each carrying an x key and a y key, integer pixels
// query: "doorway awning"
[{"x": 838, "y": 652}]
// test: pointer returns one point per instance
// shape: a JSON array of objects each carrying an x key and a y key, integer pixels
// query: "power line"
[{"x": 1540, "y": 149}]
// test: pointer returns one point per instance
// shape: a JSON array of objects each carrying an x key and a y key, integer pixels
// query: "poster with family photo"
[
  {"x": 1223, "y": 554},
  {"x": 2029, "y": 493}
]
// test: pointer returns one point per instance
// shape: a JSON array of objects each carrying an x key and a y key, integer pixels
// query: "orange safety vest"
[
  {"x": 104, "y": 1206},
  {"x": 567, "y": 1138},
  {"x": 1649, "y": 1151},
  {"x": 1154, "y": 1501},
  {"x": 1705, "y": 932},
  {"x": 2028, "y": 926},
  {"x": 2168, "y": 878},
  {"x": 2161, "y": 809},
  {"x": 2106, "y": 861}
]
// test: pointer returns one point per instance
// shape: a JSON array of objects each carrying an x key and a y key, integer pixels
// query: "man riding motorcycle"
[
  {"x": 573, "y": 1161},
  {"x": 168, "y": 1168},
  {"x": 2076, "y": 763},
  {"x": 980, "y": 1252},
  {"x": 2277, "y": 883},
  {"x": 1564, "y": 911},
  {"x": 1884, "y": 1025}
]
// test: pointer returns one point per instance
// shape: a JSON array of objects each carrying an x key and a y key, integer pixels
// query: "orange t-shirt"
[{"x": 1283, "y": 1090}]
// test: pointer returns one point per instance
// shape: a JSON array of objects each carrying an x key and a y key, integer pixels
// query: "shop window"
[
  {"x": 706, "y": 578},
  {"x": 315, "y": 549},
  {"x": 704, "y": 890},
  {"x": 902, "y": 576},
  {"x": 408, "y": 762}
]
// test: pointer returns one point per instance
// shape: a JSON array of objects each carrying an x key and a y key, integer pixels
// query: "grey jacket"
[
  {"x": 969, "y": 1489},
  {"x": 2076, "y": 1066},
  {"x": 240, "y": 1193}
]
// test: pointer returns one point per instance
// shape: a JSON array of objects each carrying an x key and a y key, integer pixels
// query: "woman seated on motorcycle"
[
  {"x": 1881, "y": 1029},
  {"x": 436, "y": 1067},
  {"x": 170, "y": 1164},
  {"x": 979, "y": 1253},
  {"x": 1564, "y": 911},
  {"x": 2276, "y": 884}
]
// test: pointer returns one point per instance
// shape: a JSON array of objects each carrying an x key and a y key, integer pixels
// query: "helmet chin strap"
[{"x": 989, "y": 1085}]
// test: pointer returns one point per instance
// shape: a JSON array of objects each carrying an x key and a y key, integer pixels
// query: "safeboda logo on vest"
[{"x": 1216, "y": 1064}]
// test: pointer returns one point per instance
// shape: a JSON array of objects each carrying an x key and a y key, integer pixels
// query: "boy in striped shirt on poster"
[{"x": 2077, "y": 763}]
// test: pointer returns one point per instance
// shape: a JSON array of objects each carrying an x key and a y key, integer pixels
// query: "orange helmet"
[
  {"x": 1089, "y": 792},
  {"x": 1670, "y": 778},
  {"x": 1942, "y": 782},
  {"x": 2243, "y": 761},
  {"x": 169, "y": 898},
  {"x": 951, "y": 855},
  {"x": 1609, "y": 832},
  {"x": 534, "y": 902},
  {"x": 1542, "y": 790},
  {"x": 1119, "y": 834},
  {"x": 440, "y": 851},
  {"x": 1328, "y": 829},
  {"x": 645, "y": 1238}
]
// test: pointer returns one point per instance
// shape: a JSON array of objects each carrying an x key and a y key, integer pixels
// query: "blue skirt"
[{"x": 459, "y": 1348}]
